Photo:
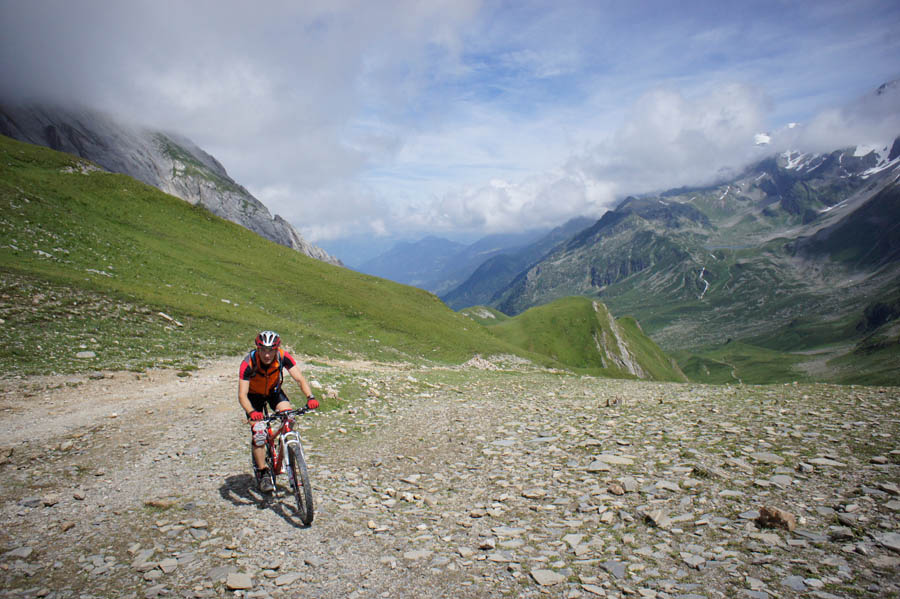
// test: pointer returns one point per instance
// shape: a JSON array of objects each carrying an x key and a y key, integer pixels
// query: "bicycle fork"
[{"x": 291, "y": 439}]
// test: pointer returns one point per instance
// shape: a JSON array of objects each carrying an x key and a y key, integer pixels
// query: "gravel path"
[{"x": 448, "y": 482}]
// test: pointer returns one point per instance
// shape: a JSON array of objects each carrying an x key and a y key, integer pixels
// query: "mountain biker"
[{"x": 260, "y": 384}]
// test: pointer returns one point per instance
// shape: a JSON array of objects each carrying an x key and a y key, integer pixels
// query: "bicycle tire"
[
  {"x": 301, "y": 485},
  {"x": 270, "y": 470}
]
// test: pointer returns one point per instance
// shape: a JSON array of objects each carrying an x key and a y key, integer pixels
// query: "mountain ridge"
[{"x": 790, "y": 254}]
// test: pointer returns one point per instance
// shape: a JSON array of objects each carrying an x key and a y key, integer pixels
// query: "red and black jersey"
[{"x": 265, "y": 381}]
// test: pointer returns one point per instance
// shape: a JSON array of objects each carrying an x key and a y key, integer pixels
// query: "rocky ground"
[{"x": 475, "y": 482}]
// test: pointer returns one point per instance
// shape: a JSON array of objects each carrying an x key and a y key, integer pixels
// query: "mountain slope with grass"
[
  {"x": 105, "y": 267},
  {"x": 100, "y": 271},
  {"x": 164, "y": 160},
  {"x": 786, "y": 259},
  {"x": 582, "y": 334}
]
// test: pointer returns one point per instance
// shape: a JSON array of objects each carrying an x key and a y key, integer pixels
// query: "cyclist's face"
[{"x": 267, "y": 354}]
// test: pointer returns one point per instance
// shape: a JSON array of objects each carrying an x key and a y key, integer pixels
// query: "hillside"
[
  {"x": 787, "y": 258},
  {"x": 100, "y": 271},
  {"x": 583, "y": 335},
  {"x": 99, "y": 264},
  {"x": 167, "y": 161}
]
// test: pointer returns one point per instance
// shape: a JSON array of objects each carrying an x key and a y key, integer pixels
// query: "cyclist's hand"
[
  {"x": 256, "y": 415},
  {"x": 312, "y": 403}
]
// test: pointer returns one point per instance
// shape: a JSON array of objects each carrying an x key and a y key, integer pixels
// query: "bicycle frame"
[{"x": 279, "y": 441}]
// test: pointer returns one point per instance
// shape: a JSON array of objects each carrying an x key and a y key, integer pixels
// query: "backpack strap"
[{"x": 252, "y": 360}]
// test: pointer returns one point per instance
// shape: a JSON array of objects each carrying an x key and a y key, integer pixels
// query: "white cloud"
[
  {"x": 669, "y": 139},
  {"x": 872, "y": 120},
  {"x": 352, "y": 116}
]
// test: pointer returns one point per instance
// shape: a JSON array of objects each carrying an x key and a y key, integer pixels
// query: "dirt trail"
[{"x": 443, "y": 482}]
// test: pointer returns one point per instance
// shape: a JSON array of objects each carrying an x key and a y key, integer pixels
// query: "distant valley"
[{"x": 791, "y": 268}]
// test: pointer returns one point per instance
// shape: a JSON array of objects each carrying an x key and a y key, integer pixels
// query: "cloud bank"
[{"x": 406, "y": 117}]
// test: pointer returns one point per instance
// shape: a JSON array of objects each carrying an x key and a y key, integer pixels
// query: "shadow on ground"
[{"x": 240, "y": 489}]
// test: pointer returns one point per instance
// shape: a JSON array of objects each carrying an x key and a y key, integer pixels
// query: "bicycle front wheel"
[{"x": 301, "y": 486}]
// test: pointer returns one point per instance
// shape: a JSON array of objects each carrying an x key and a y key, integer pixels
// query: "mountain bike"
[{"x": 284, "y": 453}]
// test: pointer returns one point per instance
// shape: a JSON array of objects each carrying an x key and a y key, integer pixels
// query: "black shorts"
[{"x": 258, "y": 401}]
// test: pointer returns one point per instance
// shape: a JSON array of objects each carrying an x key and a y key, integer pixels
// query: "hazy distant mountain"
[
  {"x": 413, "y": 263},
  {"x": 497, "y": 272},
  {"x": 436, "y": 264},
  {"x": 167, "y": 161}
]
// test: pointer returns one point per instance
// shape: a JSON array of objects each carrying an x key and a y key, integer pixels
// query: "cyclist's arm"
[
  {"x": 297, "y": 375},
  {"x": 243, "y": 389}
]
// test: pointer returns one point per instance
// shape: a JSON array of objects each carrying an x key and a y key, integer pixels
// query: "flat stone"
[
  {"x": 508, "y": 531},
  {"x": 668, "y": 486},
  {"x": 658, "y": 518},
  {"x": 547, "y": 578},
  {"x": 886, "y": 562},
  {"x": 826, "y": 462},
  {"x": 615, "y": 568},
  {"x": 221, "y": 573},
  {"x": 629, "y": 483},
  {"x": 534, "y": 493},
  {"x": 781, "y": 480},
  {"x": 840, "y": 533},
  {"x": 572, "y": 540},
  {"x": 889, "y": 540},
  {"x": 766, "y": 457},
  {"x": 156, "y": 591},
  {"x": 287, "y": 579},
  {"x": 20, "y": 553},
  {"x": 417, "y": 554},
  {"x": 598, "y": 466},
  {"x": 694, "y": 561},
  {"x": 890, "y": 488},
  {"x": 501, "y": 557},
  {"x": 238, "y": 581},
  {"x": 795, "y": 582},
  {"x": 168, "y": 565},
  {"x": 606, "y": 458}
]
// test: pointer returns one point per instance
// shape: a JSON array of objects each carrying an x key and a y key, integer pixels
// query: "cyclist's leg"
[
  {"x": 257, "y": 442},
  {"x": 280, "y": 402}
]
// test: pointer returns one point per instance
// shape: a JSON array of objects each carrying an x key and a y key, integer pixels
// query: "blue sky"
[{"x": 466, "y": 117}]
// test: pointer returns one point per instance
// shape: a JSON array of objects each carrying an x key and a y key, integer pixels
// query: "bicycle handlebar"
[{"x": 286, "y": 413}]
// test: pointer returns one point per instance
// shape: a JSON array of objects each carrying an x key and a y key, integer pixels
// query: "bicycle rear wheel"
[{"x": 300, "y": 484}]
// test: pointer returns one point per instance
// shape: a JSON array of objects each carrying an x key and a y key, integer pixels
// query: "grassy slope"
[
  {"x": 566, "y": 329},
  {"x": 485, "y": 315},
  {"x": 87, "y": 261}
]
